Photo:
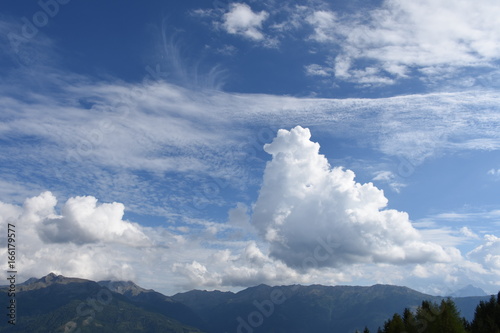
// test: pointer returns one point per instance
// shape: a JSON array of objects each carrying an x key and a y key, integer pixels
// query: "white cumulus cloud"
[
  {"x": 87, "y": 239},
  {"x": 84, "y": 221},
  {"x": 241, "y": 20},
  {"x": 488, "y": 253},
  {"x": 433, "y": 36},
  {"x": 315, "y": 215}
]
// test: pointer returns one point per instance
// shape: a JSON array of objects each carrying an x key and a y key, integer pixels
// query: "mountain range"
[{"x": 55, "y": 303}]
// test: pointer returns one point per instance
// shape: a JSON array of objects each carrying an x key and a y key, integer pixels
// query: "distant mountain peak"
[
  {"x": 468, "y": 291},
  {"x": 52, "y": 277},
  {"x": 48, "y": 280}
]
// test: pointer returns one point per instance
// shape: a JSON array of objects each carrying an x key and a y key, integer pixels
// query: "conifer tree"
[
  {"x": 429, "y": 318},
  {"x": 449, "y": 320},
  {"x": 487, "y": 316},
  {"x": 395, "y": 325},
  {"x": 411, "y": 324}
]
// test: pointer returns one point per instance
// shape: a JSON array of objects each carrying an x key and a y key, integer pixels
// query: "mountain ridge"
[
  {"x": 259, "y": 309},
  {"x": 121, "y": 286},
  {"x": 55, "y": 303}
]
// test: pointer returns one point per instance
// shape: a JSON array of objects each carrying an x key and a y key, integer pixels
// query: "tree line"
[{"x": 431, "y": 317}]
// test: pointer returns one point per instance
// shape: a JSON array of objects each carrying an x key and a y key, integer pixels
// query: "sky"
[{"x": 220, "y": 145}]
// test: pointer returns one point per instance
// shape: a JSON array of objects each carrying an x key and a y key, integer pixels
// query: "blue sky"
[{"x": 220, "y": 144}]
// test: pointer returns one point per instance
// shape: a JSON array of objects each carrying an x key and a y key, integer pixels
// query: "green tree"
[
  {"x": 394, "y": 325},
  {"x": 449, "y": 320},
  {"x": 410, "y": 321},
  {"x": 487, "y": 316},
  {"x": 429, "y": 318},
  {"x": 426, "y": 317}
]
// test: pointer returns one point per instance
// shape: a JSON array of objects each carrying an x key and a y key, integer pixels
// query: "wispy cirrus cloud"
[
  {"x": 390, "y": 178},
  {"x": 126, "y": 137}
]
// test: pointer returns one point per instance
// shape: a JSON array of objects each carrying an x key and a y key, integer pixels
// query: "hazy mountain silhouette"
[{"x": 468, "y": 291}]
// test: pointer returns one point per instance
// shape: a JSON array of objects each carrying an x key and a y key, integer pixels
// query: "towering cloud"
[{"x": 315, "y": 215}]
